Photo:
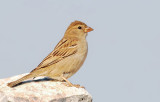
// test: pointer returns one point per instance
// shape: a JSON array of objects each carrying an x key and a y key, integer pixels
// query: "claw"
[{"x": 73, "y": 85}]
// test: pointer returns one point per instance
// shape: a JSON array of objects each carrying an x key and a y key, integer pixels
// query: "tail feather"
[{"x": 14, "y": 83}]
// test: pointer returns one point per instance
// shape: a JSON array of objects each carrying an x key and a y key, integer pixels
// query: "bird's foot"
[
  {"x": 73, "y": 85},
  {"x": 69, "y": 84}
]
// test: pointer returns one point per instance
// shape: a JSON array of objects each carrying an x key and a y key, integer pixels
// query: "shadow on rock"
[{"x": 37, "y": 80}]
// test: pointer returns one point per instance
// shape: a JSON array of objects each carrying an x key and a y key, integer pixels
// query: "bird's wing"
[{"x": 65, "y": 48}]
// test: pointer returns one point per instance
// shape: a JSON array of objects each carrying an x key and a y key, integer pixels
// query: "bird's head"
[{"x": 78, "y": 29}]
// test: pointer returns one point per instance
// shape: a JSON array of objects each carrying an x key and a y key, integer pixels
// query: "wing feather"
[{"x": 65, "y": 48}]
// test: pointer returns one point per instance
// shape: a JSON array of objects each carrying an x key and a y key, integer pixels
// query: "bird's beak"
[{"x": 88, "y": 29}]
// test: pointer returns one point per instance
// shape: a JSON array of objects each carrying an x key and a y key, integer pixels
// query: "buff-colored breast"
[{"x": 70, "y": 65}]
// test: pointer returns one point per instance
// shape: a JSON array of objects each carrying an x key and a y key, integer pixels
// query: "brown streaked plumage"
[{"x": 67, "y": 57}]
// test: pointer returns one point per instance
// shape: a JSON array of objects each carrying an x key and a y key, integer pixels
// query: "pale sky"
[{"x": 123, "y": 62}]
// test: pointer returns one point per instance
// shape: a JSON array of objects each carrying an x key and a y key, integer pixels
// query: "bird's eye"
[{"x": 79, "y": 27}]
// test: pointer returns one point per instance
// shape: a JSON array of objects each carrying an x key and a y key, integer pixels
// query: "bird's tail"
[{"x": 14, "y": 83}]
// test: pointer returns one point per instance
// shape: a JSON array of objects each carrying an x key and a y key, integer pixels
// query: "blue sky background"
[{"x": 123, "y": 62}]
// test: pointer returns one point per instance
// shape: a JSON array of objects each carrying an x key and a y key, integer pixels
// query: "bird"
[{"x": 66, "y": 58}]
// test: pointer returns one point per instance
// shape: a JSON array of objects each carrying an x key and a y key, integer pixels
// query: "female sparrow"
[{"x": 66, "y": 58}]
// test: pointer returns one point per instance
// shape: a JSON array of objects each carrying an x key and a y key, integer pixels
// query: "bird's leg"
[{"x": 70, "y": 84}]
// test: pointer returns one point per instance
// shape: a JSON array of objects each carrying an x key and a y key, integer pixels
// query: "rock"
[{"x": 41, "y": 90}]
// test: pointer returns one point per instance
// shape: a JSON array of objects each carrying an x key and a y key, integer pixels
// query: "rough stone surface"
[{"x": 41, "y": 90}]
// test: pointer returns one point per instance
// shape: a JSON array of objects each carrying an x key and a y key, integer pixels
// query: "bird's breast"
[
  {"x": 82, "y": 47},
  {"x": 72, "y": 64}
]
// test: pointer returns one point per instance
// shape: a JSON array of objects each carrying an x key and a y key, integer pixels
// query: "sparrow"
[{"x": 66, "y": 58}]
